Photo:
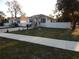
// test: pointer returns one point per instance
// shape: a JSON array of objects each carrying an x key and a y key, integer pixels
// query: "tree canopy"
[
  {"x": 14, "y": 8},
  {"x": 67, "y": 5},
  {"x": 69, "y": 9}
]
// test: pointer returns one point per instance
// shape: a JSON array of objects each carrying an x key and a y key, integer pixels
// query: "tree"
[
  {"x": 69, "y": 10},
  {"x": 14, "y": 8}
]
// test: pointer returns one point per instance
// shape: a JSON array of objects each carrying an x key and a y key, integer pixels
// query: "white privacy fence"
[
  {"x": 7, "y": 24},
  {"x": 66, "y": 25},
  {"x": 12, "y": 29},
  {"x": 22, "y": 24}
]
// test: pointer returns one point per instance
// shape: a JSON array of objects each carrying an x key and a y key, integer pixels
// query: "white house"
[
  {"x": 46, "y": 21},
  {"x": 37, "y": 20},
  {"x": 21, "y": 21}
]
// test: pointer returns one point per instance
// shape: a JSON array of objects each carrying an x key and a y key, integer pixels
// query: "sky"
[{"x": 32, "y": 7}]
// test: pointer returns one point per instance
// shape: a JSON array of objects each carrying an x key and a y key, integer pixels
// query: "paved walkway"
[{"x": 68, "y": 45}]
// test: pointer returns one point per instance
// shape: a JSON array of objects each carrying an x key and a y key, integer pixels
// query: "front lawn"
[
  {"x": 24, "y": 50},
  {"x": 64, "y": 34}
]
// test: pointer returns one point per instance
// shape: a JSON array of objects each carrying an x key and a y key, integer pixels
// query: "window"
[
  {"x": 43, "y": 20},
  {"x": 18, "y": 21},
  {"x": 30, "y": 20}
]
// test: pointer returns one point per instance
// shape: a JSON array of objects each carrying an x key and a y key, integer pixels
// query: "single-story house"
[
  {"x": 21, "y": 21},
  {"x": 37, "y": 20},
  {"x": 46, "y": 21}
]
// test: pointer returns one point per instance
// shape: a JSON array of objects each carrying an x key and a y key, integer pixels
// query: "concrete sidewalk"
[{"x": 68, "y": 45}]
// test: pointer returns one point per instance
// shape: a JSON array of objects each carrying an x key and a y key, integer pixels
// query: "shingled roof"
[{"x": 41, "y": 16}]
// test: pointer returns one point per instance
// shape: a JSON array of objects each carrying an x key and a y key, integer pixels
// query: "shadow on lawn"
[
  {"x": 25, "y": 50},
  {"x": 64, "y": 34}
]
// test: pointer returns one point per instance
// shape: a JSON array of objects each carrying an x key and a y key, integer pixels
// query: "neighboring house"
[
  {"x": 1, "y": 18},
  {"x": 12, "y": 20},
  {"x": 23, "y": 21},
  {"x": 2, "y": 15}
]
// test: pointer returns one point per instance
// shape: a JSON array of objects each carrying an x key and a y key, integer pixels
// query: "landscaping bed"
[
  {"x": 25, "y": 50},
  {"x": 63, "y": 34}
]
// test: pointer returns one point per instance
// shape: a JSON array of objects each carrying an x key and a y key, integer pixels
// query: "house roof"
[
  {"x": 24, "y": 18},
  {"x": 41, "y": 16},
  {"x": 2, "y": 14}
]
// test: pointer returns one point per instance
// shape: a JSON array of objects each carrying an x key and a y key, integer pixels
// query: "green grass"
[
  {"x": 25, "y": 50},
  {"x": 64, "y": 34}
]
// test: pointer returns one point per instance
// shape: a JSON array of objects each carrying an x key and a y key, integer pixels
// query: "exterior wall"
[
  {"x": 24, "y": 23},
  {"x": 56, "y": 25},
  {"x": 12, "y": 21},
  {"x": 1, "y": 18}
]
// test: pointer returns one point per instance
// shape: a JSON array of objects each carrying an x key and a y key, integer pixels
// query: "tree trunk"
[
  {"x": 74, "y": 24},
  {"x": 15, "y": 15}
]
